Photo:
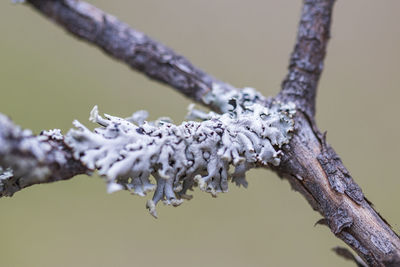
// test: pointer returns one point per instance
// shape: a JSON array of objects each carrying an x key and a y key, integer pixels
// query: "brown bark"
[
  {"x": 314, "y": 169},
  {"x": 312, "y": 166}
]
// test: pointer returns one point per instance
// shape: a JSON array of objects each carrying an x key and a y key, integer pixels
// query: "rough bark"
[
  {"x": 311, "y": 165},
  {"x": 130, "y": 46},
  {"x": 314, "y": 169},
  {"x": 321, "y": 175},
  {"x": 307, "y": 59}
]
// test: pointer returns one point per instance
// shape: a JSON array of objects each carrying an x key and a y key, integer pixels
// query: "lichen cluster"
[
  {"x": 180, "y": 157},
  {"x": 4, "y": 175},
  {"x": 23, "y": 157}
]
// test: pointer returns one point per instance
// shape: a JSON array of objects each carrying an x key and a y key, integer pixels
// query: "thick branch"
[
  {"x": 312, "y": 166},
  {"x": 315, "y": 170},
  {"x": 306, "y": 62},
  {"x": 134, "y": 48}
]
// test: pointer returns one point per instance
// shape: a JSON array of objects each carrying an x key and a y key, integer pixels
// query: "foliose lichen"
[
  {"x": 180, "y": 157},
  {"x": 25, "y": 156},
  {"x": 218, "y": 97},
  {"x": 4, "y": 175}
]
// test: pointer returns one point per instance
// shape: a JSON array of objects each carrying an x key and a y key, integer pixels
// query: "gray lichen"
[
  {"x": 191, "y": 154},
  {"x": 4, "y": 176},
  {"x": 128, "y": 151},
  {"x": 24, "y": 157},
  {"x": 219, "y": 98}
]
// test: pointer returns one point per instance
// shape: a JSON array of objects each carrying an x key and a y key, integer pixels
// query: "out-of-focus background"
[{"x": 47, "y": 79}]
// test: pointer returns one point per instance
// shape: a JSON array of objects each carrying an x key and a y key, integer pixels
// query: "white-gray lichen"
[
  {"x": 218, "y": 97},
  {"x": 181, "y": 157},
  {"x": 5, "y": 174},
  {"x": 27, "y": 155}
]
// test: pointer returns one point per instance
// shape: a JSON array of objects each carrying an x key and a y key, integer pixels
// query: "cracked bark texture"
[
  {"x": 321, "y": 175},
  {"x": 307, "y": 59},
  {"x": 309, "y": 163}
]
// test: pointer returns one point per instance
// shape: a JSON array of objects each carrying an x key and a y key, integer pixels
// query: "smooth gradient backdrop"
[{"x": 48, "y": 79}]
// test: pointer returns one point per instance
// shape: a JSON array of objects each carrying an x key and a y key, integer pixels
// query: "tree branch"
[
  {"x": 310, "y": 164},
  {"x": 306, "y": 61},
  {"x": 130, "y": 46},
  {"x": 33, "y": 159},
  {"x": 314, "y": 169}
]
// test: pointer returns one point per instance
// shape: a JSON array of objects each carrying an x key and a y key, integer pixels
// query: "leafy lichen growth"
[
  {"x": 220, "y": 99},
  {"x": 24, "y": 154},
  {"x": 4, "y": 175},
  {"x": 181, "y": 157}
]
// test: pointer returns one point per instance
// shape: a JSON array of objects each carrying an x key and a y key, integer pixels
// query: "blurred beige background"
[{"x": 47, "y": 79}]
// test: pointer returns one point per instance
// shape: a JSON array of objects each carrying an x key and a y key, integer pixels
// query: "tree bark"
[
  {"x": 130, "y": 46},
  {"x": 312, "y": 166}
]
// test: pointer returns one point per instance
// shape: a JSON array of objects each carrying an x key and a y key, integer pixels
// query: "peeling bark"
[{"x": 332, "y": 192}]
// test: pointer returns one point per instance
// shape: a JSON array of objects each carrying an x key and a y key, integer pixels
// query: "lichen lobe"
[{"x": 180, "y": 157}]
